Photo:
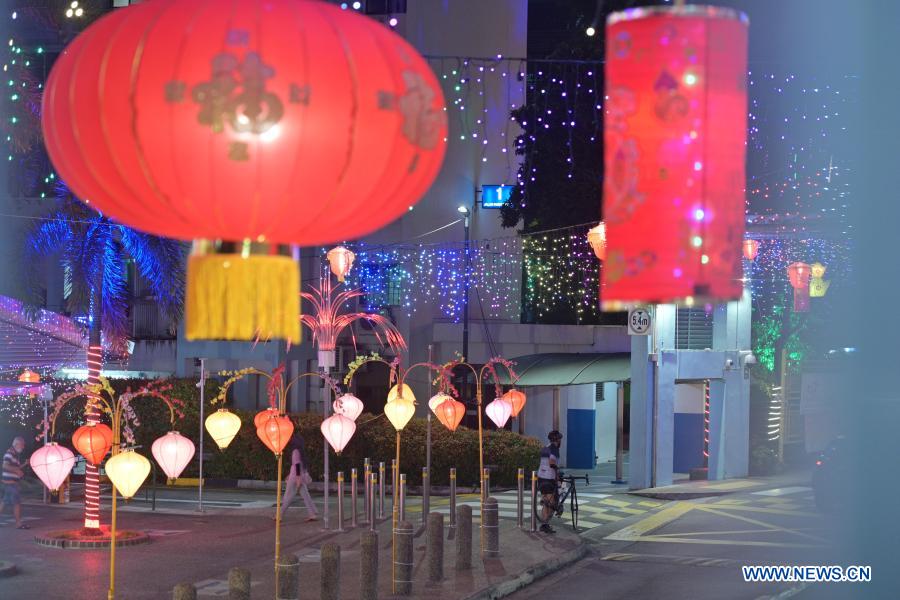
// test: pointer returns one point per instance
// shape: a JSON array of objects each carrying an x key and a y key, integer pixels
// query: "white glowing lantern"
[
  {"x": 399, "y": 411},
  {"x": 223, "y": 425},
  {"x": 52, "y": 464},
  {"x": 348, "y": 405},
  {"x": 173, "y": 452},
  {"x": 597, "y": 239},
  {"x": 401, "y": 390},
  {"x": 127, "y": 471},
  {"x": 341, "y": 261},
  {"x": 499, "y": 412},
  {"x": 338, "y": 430},
  {"x": 437, "y": 400}
]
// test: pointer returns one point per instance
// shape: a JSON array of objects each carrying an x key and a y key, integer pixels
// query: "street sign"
[
  {"x": 495, "y": 196},
  {"x": 639, "y": 321}
]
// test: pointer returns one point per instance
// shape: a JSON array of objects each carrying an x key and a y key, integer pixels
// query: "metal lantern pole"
[{"x": 202, "y": 386}]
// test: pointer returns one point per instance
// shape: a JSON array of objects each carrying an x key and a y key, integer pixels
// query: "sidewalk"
[{"x": 688, "y": 490}]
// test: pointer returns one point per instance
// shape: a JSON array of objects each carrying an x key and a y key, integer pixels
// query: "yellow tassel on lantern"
[{"x": 241, "y": 296}]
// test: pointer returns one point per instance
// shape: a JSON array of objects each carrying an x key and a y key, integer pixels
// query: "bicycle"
[{"x": 564, "y": 491}]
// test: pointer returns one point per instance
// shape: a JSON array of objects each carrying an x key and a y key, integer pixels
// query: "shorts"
[
  {"x": 11, "y": 494},
  {"x": 547, "y": 486}
]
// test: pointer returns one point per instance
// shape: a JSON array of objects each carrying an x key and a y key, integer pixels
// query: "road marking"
[
  {"x": 730, "y": 485},
  {"x": 760, "y": 523},
  {"x": 782, "y": 491},
  {"x": 664, "y": 558},
  {"x": 650, "y": 504},
  {"x": 759, "y": 509},
  {"x": 612, "y": 502},
  {"x": 637, "y": 530}
]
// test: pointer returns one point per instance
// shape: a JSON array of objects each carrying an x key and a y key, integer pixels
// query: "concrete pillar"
[
  {"x": 641, "y": 415},
  {"x": 556, "y": 408},
  {"x": 435, "y": 547},
  {"x": 666, "y": 370},
  {"x": 184, "y": 591},
  {"x": 729, "y": 424},
  {"x": 288, "y": 568},
  {"x": 331, "y": 572},
  {"x": 490, "y": 520},
  {"x": 368, "y": 565},
  {"x": 463, "y": 537},
  {"x": 238, "y": 584},
  {"x": 716, "y": 429},
  {"x": 403, "y": 558}
]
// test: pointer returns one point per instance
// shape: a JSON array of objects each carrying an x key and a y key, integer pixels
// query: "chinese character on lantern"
[{"x": 799, "y": 274}]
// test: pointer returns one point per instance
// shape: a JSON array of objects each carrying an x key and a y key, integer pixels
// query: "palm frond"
[{"x": 161, "y": 261}]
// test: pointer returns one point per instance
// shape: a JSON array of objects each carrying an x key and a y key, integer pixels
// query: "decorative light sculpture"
[
  {"x": 341, "y": 261},
  {"x": 127, "y": 471},
  {"x": 338, "y": 429},
  {"x": 349, "y": 405},
  {"x": 750, "y": 249},
  {"x": 276, "y": 433},
  {"x": 222, "y": 426},
  {"x": 499, "y": 411},
  {"x": 52, "y": 463},
  {"x": 399, "y": 411},
  {"x": 435, "y": 401},
  {"x": 93, "y": 441},
  {"x": 596, "y": 237},
  {"x": 675, "y": 130},
  {"x": 450, "y": 413},
  {"x": 799, "y": 275},
  {"x": 173, "y": 452},
  {"x": 516, "y": 401},
  {"x": 207, "y": 133}
]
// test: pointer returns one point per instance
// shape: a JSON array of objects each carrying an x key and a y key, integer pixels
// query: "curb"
[
  {"x": 531, "y": 574},
  {"x": 683, "y": 495},
  {"x": 57, "y": 542},
  {"x": 7, "y": 569}
]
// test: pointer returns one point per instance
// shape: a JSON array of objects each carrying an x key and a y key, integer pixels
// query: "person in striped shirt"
[{"x": 12, "y": 475}]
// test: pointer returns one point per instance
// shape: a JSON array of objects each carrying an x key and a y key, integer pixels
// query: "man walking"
[{"x": 12, "y": 475}]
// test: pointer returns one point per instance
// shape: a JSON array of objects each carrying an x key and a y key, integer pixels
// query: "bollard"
[
  {"x": 340, "y": 501},
  {"x": 353, "y": 514},
  {"x": 238, "y": 584},
  {"x": 367, "y": 470},
  {"x": 453, "y": 498},
  {"x": 381, "y": 490},
  {"x": 403, "y": 496},
  {"x": 464, "y": 537},
  {"x": 184, "y": 591},
  {"x": 372, "y": 481},
  {"x": 288, "y": 577},
  {"x": 520, "y": 505},
  {"x": 533, "y": 501},
  {"x": 486, "y": 485},
  {"x": 490, "y": 522},
  {"x": 426, "y": 495},
  {"x": 394, "y": 481},
  {"x": 368, "y": 565},
  {"x": 403, "y": 557},
  {"x": 331, "y": 572},
  {"x": 434, "y": 541}
]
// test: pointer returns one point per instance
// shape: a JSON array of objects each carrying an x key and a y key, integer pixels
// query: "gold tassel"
[{"x": 242, "y": 297}]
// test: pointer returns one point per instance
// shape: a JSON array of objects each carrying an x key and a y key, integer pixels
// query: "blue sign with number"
[{"x": 495, "y": 196}]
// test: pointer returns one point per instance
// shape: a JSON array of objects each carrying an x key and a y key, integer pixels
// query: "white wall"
[
  {"x": 539, "y": 411},
  {"x": 605, "y": 422}
]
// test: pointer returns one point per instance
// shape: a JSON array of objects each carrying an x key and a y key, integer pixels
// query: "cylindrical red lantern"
[
  {"x": 799, "y": 274},
  {"x": 263, "y": 123},
  {"x": 93, "y": 441},
  {"x": 275, "y": 433},
  {"x": 675, "y": 130},
  {"x": 751, "y": 249}
]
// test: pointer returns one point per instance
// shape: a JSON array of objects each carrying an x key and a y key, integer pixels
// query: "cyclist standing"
[{"x": 548, "y": 477}]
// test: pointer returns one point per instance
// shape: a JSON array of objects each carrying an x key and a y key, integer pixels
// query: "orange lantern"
[
  {"x": 596, "y": 237},
  {"x": 751, "y": 249},
  {"x": 341, "y": 261},
  {"x": 675, "y": 129},
  {"x": 516, "y": 400},
  {"x": 799, "y": 274},
  {"x": 29, "y": 376},
  {"x": 93, "y": 441},
  {"x": 450, "y": 413},
  {"x": 264, "y": 415},
  {"x": 275, "y": 433}
]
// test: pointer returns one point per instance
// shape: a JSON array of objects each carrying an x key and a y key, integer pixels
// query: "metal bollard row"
[
  {"x": 533, "y": 501},
  {"x": 520, "y": 500},
  {"x": 340, "y": 501},
  {"x": 353, "y": 493},
  {"x": 453, "y": 498},
  {"x": 381, "y": 490},
  {"x": 403, "y": 496}
]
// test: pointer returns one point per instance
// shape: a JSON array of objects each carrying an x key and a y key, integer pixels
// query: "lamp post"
[{"x": 464, "y": 210}]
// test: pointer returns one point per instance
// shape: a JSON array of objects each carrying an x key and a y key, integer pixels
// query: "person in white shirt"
[{"x": 297, "y": 480}]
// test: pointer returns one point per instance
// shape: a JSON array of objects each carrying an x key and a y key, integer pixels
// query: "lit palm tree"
[{"x": 93, "y": 250}]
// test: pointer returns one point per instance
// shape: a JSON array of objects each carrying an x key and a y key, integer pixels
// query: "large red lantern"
[
  {"x": 251, "y": 125},
  {"x": 93, "y": 441},
  {"x": 675, "y": 130},
  {"x": 799, "y": 274}
]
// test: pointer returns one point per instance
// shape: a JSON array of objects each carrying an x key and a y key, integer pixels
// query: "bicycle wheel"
[
  {"x": 573, "y": 508},
  {"x": 539, "y": 508}
]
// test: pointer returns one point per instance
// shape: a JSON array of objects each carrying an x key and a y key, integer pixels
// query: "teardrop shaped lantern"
[
  {"x": 349, "y": 405},
  {"x": 276, "y": 433},
  {"x": 341, "y": 261},
  {"x": 173, "y": 452},
  {"x": 499, "y": 411},
  {"x": 435, "y": 401},
  {"x": 596, "y": 237},
  {"x": 394, "y": 393},
  {"x": 399, "y": 411},
  {"x": 750, "y": 249},
  {"x": 264, "y": 415},
  {"x": 516, "y": 401},
  {"x": 93, "y": 441},
  {"x": 799, "y": 274},
  {"x": 192, "y": 121},
  {"x": 222, "y": 426},
  {"x": 338, "y": 429},
  {"x": 450, "y": 413},
  {"x": 52, "y": 463},
  {"x": 127, "y": 471}
]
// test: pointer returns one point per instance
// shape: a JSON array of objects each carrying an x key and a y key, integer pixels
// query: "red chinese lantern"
[
  {"x": 751, "y": 249},
  {"x": 248, "y": 129},
  {"x": 516, "y": 400},
  {"x": 450, "y": 413},
  {"x": 799, "y": 274},
  {"x": 341, "y": 261},
  {"x": 275, "y": 433},
  {"x": 93, "y": 441},
  {"x": 597, "y": 239},
  {"x": 675, "y": 132}
]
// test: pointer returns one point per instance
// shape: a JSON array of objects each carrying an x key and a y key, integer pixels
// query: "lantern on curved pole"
[
  {"x": 350, "y": 406},
  {"x": 93, "y": 441},
  {"x": 516, "y": 400},
  {"x": 340, "y": 260},
  {"x": 264, "y": 415},
  {"x": 450, "y": 413},
  {"x": 499, "y": 411},
  {"x": 173, "y": 452},
  {"x": 276, "y": 432},
  {"x": 186, "y": 124},
  {"x": 435, "y": 401},
  {"x": 52, "y": 463},
  {"x": 223, "y": 425},
  {"x": 338, "y": 429},
  {"x": 799, "y": 274},
  {"x": 127, "y": 471}
]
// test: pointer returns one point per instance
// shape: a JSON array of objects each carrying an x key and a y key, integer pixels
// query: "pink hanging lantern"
[
  {"x": 349, "y": 405},
  {"x": 499, "y": 411},
  {"x": 341, "y": 261},
  {"x": 173, "y": 452},
  {"x": 799, "y": 274},
  {"x": 338, "y": 430},
  {"x": 52, "y": 464}
]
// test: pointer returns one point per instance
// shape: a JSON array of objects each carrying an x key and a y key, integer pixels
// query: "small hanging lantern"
[
  {"x": 264, "y": 415},
  {"x": 349, "y": 405},
  {"x": 817, "y": 284},
  {"x": 222, "y": 426},
  {"x": 596, "y": 237},
  {"x": 93, "y": 441},
  {"x": 751, "y": 249},
  {"x": 29, "y": 376},
  {"x": 127, "y": 470},
  {"x": 436, "y": 401},
  {"x": 450, "y": 413},
  {"x": 799, "y": 274},
  {"x": 52, "y": 464},
  {"x": 276, "y": 433},
  {"x": 395, "y": 393},
  {"x": 499, "y": 411},
  {"x": 516, "y": 400},
  {"x": 338, "y": 429},
  {"x": 173, "y": 452},
  {"x": 341, "y": 261},
  {"x": 400, "y": 410}
]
